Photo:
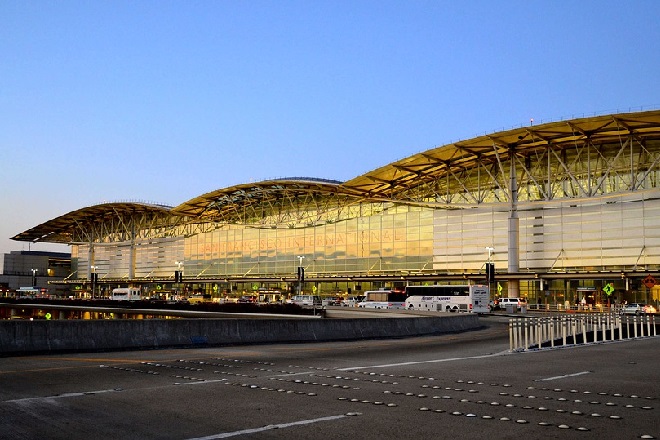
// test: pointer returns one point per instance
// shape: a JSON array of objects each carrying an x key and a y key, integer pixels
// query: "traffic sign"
[
  {"x": 649, "y": 281},
  {"x": 608, "y": 289}
]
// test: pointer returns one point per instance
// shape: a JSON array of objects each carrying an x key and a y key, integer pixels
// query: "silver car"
[{"x": 637, "y": 309}]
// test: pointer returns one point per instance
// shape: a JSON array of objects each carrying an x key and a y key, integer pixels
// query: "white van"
[
  {"x": 306, "y": 300},
  {"x": 517, "y": 302},
  {"x": 383, "y": 299},
  {"x": 126, "y": 294}
]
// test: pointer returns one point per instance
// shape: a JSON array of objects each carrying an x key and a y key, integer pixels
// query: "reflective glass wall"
[
  {"x": 614, "y": 233},
  {"x": 400, "y": 239}
]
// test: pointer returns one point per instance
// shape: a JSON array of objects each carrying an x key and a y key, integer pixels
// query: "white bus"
[
  {"x": 448, "y": 298},
  {"x": 383, "y": 299},
  {"x": 126, "y": 294}
]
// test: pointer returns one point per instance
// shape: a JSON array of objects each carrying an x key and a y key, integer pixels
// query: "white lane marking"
[
  {"x": 60, "y": 396},
  {"x": 564, "y": 376},
  {"x": 201, "y": 382},
  {"x": 402, "y": 364},
  {"x": 268, "y": 427},
  {"x": 293, "y": 374}
]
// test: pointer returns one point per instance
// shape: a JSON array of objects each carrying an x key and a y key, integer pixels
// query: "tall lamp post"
[
  {"x": 93, "y": 280},
  {"x": 490, "y": 269},
  {"x": 178, "y": 276},
  {"x": 301, "y": 274}
]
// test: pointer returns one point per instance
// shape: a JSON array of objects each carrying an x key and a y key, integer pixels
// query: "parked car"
[
  {"x": 331, "y": 301},
  {"x": 352, "y": 301},
  {"x": 637, "y": 309},
  {"x": 517, "y": 302}
]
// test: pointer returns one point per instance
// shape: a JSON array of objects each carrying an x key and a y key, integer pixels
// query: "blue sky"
[{"x": 161, "y": 101}]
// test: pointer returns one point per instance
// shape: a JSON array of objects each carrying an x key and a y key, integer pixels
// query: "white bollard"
[
  {"x": 574, "y": 330},
  {"x": 511, "y": 335},
  {"x": 552, "y": 332}
]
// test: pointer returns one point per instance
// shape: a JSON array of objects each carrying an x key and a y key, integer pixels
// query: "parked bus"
[
  {"x": 448, "y": 298},
  {"x": 126, "y": 294},
  {"x": 383, "y": 299}
]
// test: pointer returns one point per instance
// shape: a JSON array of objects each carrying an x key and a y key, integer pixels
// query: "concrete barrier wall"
[{"x": 41, "y": 336}]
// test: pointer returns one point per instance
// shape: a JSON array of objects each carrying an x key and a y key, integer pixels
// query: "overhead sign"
[{"x": 649, "y": 281}]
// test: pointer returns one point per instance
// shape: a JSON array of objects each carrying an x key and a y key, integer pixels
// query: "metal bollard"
[
  {"x": 511, "y": 345},
  {"x": 552, "y": 333},
  {"x": 526, "y": 334}
]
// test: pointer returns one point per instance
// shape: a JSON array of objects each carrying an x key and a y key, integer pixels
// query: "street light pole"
[
  {"x": 179, "y": 277},
  {"x": 490, "y": 252},
  {"x": 93, "y": 280},
  {"x": 301, "y": 274},
  {"x": 490, "y": 269}
]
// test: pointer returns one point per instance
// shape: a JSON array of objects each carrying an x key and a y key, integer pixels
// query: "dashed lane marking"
[
  {"x": 60, "y": 396},
  {"x": 563, "y": 376},
  {"x": 269, "y": 427},
  {"x": 402, "y": 364}
]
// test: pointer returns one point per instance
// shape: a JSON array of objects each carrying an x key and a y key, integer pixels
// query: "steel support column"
[{"x": 513, "y": 230}]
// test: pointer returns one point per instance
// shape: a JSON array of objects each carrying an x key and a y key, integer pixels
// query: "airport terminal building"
[{"x": 564, "y": 210}]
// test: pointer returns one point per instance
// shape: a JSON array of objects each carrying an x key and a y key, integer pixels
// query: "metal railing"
[
  {"x": 533, "y": 333},
  {"x": 571, "y": 308}
]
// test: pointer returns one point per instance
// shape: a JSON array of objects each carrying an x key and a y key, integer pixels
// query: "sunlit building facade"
[{"x": 561, "y": 209}]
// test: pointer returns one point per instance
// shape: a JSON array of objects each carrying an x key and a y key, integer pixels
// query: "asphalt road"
[{"x": 450, "y": 386}]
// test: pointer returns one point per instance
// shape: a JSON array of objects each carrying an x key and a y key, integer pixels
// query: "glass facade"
[
  {"x": 617, "y": 233},
  {"x": 554, "y": 199},
  {"x": 400, "y": 240}
]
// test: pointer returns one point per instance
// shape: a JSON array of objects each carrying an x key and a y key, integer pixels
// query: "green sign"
[{"x": 608, "y": 289}]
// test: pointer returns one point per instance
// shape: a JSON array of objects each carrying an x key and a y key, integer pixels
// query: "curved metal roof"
[
  {"x": 388, "y": 183},
  {"x": 59, "y": 229},
  {"x": 238, "y": 197},
  {"x": 418, "y": 169}
]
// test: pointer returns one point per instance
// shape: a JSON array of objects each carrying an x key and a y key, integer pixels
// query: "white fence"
[
  {"x": 579, "y": 308},
  {"x": 549, "y": 332}
]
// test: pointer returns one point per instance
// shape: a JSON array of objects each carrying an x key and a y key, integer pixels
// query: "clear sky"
[{"x": 162, "y": 101}]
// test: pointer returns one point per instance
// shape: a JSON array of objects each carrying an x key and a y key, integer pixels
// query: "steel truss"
[
  {"x": 582, "y": 158},
  {"x": 575, "y": 159}
]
